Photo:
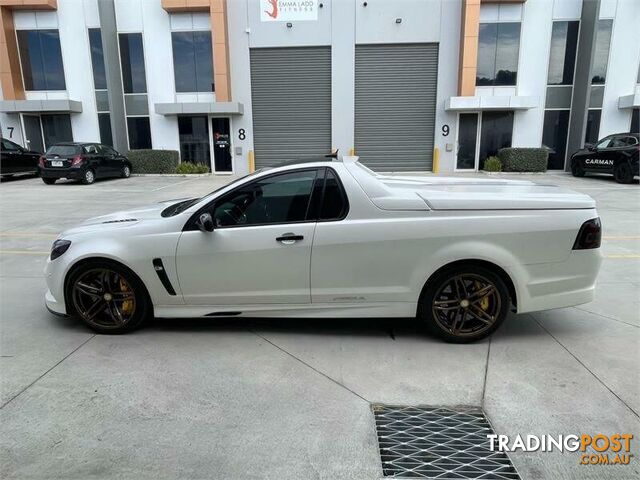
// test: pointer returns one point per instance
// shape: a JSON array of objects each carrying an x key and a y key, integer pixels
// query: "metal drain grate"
[{"x": 438, "y": 443}]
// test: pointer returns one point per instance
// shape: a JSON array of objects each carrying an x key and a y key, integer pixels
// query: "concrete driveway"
[{"x": 291, "y": 399}]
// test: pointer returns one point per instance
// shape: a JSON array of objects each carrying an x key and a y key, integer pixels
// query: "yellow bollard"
[
  {"x": 252, "y": 163},
  {"x": 352, "y": 152},
  {"x": 436, "y": 160}
]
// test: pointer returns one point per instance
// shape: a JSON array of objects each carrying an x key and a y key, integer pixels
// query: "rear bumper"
[
  {"x": 563, "y": 284},
  {"x": 73, "y": 173}
]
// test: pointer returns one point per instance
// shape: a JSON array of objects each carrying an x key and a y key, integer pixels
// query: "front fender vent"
[{"x": 158, "y": 266}]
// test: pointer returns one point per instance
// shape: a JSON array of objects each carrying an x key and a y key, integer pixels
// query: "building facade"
[{"x": 242, "y": 84}]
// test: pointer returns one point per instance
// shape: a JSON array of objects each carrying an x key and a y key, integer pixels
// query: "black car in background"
[
  {"x": 15, "y": 159},
  {"x": 616, "y": 155},
  {"x": 82, "y": 161}
]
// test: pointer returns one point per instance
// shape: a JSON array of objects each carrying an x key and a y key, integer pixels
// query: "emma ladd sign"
[{"x": 288, "y": 10}]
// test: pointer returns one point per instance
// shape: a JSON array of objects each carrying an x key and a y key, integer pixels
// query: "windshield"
[
  {"x": 180, "y": 207},
  {"x": 64, "y": 150}
]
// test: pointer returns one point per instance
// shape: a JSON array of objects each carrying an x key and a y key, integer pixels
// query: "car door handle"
[{"x": 289, "y": 238}]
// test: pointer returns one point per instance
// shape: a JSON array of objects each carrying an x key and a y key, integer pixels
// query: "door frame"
[
  {"x": 212, "y": 146},
  {"x": 24, "y": 131},
  {"x": 476, "y": 160}
]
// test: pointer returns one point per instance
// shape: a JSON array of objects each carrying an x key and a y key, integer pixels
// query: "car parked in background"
[
  {"x": 615, "y": 155},
  {"x": 82, "y": 161},
  {"x": 16, "y": 159}
]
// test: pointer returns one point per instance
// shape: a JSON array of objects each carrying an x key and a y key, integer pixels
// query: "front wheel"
[
  {"x": 464, "y": 304},
  {"x": 623, "y": 173},
  {"x": 108, "y": 298},
  {"x": 577, "y": 170},
  {"x": 126, "y": 171}
]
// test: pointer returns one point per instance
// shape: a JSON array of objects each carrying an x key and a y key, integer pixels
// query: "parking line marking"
[
  {"x": 27, "y": 234},
  {"x": 621, "y": 237},
  {"x": 23, "y": 252},
  {"x": 622, "y": 256},
  {"x": 172, "y": 184}
]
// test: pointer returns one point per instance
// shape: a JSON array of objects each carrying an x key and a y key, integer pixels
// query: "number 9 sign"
[{"x": 445, "y": 130}]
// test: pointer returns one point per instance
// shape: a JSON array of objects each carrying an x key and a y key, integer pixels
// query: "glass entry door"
[
  {"x": 221, "y": 145},
  {"x": 33, "y": 132},
  {"x": 467, "y": 141}
]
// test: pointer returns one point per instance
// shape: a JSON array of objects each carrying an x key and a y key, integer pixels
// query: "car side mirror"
[
  {"x": 590, "y": 146},
  {"x": 205, "y": 222}
]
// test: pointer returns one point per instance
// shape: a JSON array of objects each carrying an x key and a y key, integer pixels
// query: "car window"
[
  {"x": 334, "y": 203},
  {"x": 64, "y": 150},
  {"x": 618, "y": 142},
  {"x": 605, "y": 143},
  {"x": 90, "y": 149},
  {"x": 282, "y": 198},
  {"x": 630, "y": 141},
  {"x": 107, "y": 150},
  {"x": 7, "y": 145}
]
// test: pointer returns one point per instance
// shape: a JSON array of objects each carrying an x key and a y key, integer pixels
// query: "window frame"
[
  {"x": 190, "y": 225},
  {"x": 64, "y": 71}
]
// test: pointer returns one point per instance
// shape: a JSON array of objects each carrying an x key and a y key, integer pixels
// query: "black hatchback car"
[
  {"x": 616, "y": 155},
  {"x": 16, "y": 160},
  {"x": 82, "y": 161}
]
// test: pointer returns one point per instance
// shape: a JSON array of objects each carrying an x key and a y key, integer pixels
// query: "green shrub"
[
  {"x": 524, "y": 159},
  {"x": 153, "y": 161},
  {"x": 492, "y": 164},
  {"x": 188, "y": 167}
]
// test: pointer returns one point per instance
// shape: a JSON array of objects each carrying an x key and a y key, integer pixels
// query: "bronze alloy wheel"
[
  {"x": 466, "y": 304},
  {"x": 104, "y": 299}
]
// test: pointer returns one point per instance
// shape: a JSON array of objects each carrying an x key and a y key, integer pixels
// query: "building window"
[
  {"x": 41, "y": 60},
  {"x": 498, "y": 49},
  {"x": 139, "y": 133},
  {"x": 635, "y": 120},
  {"x": 192, "y": 61},
  {"x": 97, "y": 59},
  {"x": 601, "y": 54},
  {"x": 496, "y": 133},
  {"x": 562, "y": 58},
  {"x": 593, "y": 126},
  {"x": 104, "y": 124},
  {"x": 132, "y": 62},
  {"x": 554, "y": 137}
]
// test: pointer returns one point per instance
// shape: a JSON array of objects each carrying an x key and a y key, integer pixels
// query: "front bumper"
[
  {"x": 72, "y": 173},
  {"x": 54, "y": 306}
]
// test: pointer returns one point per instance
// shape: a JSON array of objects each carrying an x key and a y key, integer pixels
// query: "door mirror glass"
[
  {"x": 590, "y": 146},
  {"x": 205, "y": 222}
]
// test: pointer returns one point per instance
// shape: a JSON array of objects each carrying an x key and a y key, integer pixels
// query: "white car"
[{"x": 334, "y": 239}]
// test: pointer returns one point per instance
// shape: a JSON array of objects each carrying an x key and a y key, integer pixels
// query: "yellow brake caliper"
[
  {"x": 127, "y": 305},
  {"x": 484, "y": 303}
]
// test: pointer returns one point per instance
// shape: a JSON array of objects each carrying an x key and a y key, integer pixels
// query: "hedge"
[
  {"x": 153, "y": 161},
  {"x": 524, "y": 159},
  {"x": 188, "y": 168}
]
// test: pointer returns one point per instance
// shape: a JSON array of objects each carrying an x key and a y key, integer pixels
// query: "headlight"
[{"x": 59, "y": 247}]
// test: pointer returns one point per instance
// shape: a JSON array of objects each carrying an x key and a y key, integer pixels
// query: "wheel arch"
[
  {"x": 498, "y": 270},
  {"x": 98, "y": 259}
]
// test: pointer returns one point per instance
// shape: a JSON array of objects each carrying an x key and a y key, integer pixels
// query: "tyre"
[
  {"x": 464, "y": 303},
  {"x": 126, "y": 171},
  {"x": 49, "y": 181},
  {"x": 107, "y": 297},
  {"x": 623, "y": 173},
  {"x": 88, "y": 177},
  {"x": 577, "y": 170}
]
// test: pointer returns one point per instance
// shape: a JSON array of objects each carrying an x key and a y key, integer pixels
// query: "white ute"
[{"x": 334, "y": 239}]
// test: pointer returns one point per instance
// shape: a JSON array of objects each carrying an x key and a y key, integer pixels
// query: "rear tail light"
[
  {"x": 589, "y": 236},
  {"x": 77, "y": 160},
  {"x": 41, "y": 162}
]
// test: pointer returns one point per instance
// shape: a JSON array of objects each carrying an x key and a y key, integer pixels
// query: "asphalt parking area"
[{"x": 292, "y": 399}]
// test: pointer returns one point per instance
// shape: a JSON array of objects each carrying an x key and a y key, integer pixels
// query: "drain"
[{"x": 438, "y": 443}]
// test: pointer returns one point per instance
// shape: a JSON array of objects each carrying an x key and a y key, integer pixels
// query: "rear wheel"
[
  {"x": 88, "y": 177},
  {"x": 49, "y": 181},
  {"x": 125, "y": 172},
  {"x": 577, "y": 170},
  {"x": 464, "y": 303},
  {"x": 623, "y": 173},
  {"x": 108, "y": 297}
]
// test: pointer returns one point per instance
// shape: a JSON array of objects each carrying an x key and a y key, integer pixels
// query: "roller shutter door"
[
  {"x": 395, "y": 105},
  {"x": 291, "y": 98}
]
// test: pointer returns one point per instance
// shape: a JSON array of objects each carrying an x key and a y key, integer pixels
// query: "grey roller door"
[
  {"x": 395, "y": 105},
  {"x": 291, "y": 98}
]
